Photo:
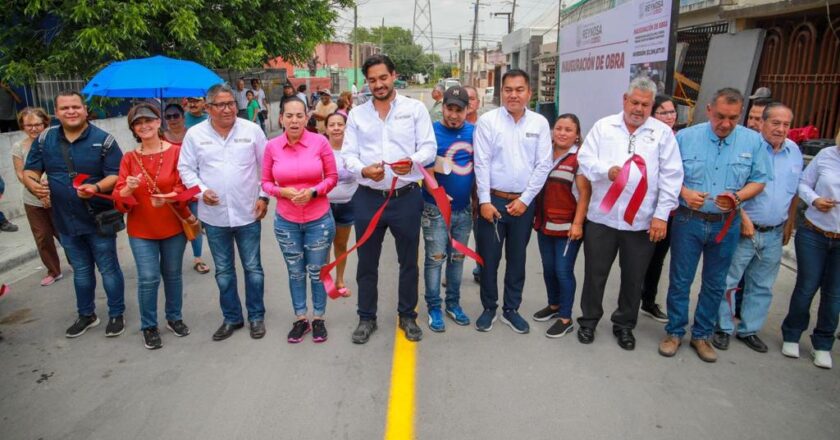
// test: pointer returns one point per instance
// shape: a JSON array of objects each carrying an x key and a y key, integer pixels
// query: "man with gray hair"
[
  {"x": 436, "y": 110},
  {"x": 223, "y": 156},
  {"x": 634, "y": 164}
]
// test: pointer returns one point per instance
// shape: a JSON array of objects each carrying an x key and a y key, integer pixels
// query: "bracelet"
[
  {"x": 98, "y": 189},
  {"x": 737, "y": 198}
]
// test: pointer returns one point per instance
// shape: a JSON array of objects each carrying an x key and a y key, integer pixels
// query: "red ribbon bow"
[
  {"x": 437, "y": 192},
  {"x": 620, "y": 183},
  {"x": 729, "y": 218}
]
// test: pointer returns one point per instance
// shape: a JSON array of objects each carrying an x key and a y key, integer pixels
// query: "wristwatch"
[{"x": 314, "y": 192}]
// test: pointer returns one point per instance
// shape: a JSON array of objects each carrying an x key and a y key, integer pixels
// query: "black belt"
[
  {"x": 397, "y": 192},
  {"x": 760, "y": 228},
  {"x": 709, "y": 217}
]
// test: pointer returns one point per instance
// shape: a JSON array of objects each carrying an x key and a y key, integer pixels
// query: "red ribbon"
[
  {"x": 729, "y": 218},
  {"x": 437, "y": 192},
  {"x": 4, "y": 289},
  {"x": 620, "y": 183},
  {"x": 728, "y": 295},
  {"x": 79, "y": 180}
]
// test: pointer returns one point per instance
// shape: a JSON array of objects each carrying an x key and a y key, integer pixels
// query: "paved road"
[{"x": 468, "y": 384}]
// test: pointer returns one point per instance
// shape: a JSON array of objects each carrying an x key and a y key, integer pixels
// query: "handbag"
[
  {"x": 110, "y": 221},
  {"x": 191, "y": 229}
]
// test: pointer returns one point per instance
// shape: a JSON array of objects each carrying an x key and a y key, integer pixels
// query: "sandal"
[
  {"x": 346, "y": 293},
  {"x": 201, "y": 268}
]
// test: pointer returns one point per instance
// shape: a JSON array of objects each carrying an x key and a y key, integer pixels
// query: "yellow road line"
[{"x": 400, "y": 422}]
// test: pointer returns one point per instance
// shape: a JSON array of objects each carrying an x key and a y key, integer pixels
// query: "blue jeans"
[
  {"x": 197, "y": 243},
  {"x": 247, "y": 239},
  {"x": 439, "y": 250},
  {"x": 818, "y": 267},
  {"x": 156, "y": 258},
  {"x": 306, "y": 248},
  {"x": 85, "y": 251},
  {"x": 758, "y": 262},
  {"x": 559, "y": 271},
  {"x": 692, "y": 237}
]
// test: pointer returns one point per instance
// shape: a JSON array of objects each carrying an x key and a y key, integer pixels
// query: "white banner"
[{"x": 601, "y": 54}]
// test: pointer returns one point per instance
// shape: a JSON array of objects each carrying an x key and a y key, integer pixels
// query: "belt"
[
  {"x": 505, "y": 195},
  {"x": 709, "y": 217},
  {"x": 397, "y": 192},
  {"x": 760, "y": 228},
  {"x": 813, "y": 227}
]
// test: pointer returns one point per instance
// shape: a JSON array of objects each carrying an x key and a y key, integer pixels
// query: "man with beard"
[{"x": 386, "y": 139}]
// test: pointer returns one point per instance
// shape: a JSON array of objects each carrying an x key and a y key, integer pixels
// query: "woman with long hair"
[
  {"x": 34, "y": 120},
  {"x": 149, "y": 176},
  {"x": 340, "y": 196},
  {"x": 560, "y": 212},
  {"x": 299, "y": 169}
]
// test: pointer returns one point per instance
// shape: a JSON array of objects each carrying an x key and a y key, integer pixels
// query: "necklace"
[{"x": 152, "y": 184}]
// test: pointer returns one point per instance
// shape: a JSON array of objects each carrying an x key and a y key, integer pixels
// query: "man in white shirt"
[
  {"x": 241, "y": 99},
  {"x": 512, "y": 160},
  {"x": 223, "y": 157},
  {"x": 259, "y": 95},
  {"x": 640, "y": 152},
  {"x": 387, "y": 139}
]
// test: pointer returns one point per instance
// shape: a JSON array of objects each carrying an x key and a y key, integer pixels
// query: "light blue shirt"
[
  {"x": 770, "y": 207},
  {"x": 715, "y": 166}
]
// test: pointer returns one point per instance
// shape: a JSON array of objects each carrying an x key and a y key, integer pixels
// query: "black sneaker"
[
  {"x": 8, "y": 226},
  {"x": 559, "y": 329},
  {"x": 546, "y": 314},
  {"x": 115, "y": 327},
  {"x": 363, "y": 331},
  {"x": 655, "y": 312},
  {"x": 151, "y": 338},
  {"x": 319, "y": 330},
  {"x": 82, "y": 325},
  {"x": 178, "y": 327},
  {"x": 299, "y": 329}
]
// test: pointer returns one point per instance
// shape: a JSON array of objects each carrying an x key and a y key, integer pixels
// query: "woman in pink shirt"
[{"x": 299, "y": 169}]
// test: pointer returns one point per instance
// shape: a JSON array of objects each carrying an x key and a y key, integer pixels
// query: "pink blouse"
[{"x": 307, "y": 164}]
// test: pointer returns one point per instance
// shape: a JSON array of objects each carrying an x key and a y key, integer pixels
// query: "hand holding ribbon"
[
  {"x": 620, "y": 183},
  {"x": 80, "y": 186}
]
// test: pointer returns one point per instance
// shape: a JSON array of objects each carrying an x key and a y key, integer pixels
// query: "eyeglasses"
[
  {"x": 631, "y": 148},
  {"x": 33, "y": 126},
  {"x": 668, "y": 113},
  {"x": 223, "y": 105},
  {"x": 172, "y": 116}
]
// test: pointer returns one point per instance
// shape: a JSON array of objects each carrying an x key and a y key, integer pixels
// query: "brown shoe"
[
  {"x": 669, "y": 345},
  {"x": 704, "y": 350}
]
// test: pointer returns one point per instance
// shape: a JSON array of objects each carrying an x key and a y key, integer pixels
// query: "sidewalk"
[{"x": 17, "y": 248}]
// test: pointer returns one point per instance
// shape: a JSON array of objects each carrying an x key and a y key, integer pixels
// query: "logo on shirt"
[
  {"x": 405, "y": 116},
  {"x": 532, "y": 135},
  {"x": 205, "y": 143},
  {"x": 466, "y": 166},
  {"x": 242, "y": 140}
]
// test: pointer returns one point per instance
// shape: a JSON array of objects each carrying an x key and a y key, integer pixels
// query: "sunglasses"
[{"x": 172, "y": 116}]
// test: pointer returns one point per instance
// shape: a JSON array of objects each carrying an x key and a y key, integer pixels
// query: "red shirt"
[
  {"x": 144, "y": 220},
  {"x": 309, "y": 163}
]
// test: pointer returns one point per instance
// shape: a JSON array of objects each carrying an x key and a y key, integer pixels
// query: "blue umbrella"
[{"x": 154, "y": 77}]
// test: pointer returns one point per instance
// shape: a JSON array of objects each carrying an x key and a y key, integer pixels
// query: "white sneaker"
[
  {"x": 822, "y": 358},
  {"x": 790, "y": 349}
]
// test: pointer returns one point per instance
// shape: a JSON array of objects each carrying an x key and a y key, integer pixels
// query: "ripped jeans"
[
  {"x": 439, "y": 250},
  {"x": 305, "y": 248}
]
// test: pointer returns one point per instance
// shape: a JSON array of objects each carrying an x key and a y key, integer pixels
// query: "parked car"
[
  {"x": 449, "y": 82},
  {"x": 400, "y": 84}
]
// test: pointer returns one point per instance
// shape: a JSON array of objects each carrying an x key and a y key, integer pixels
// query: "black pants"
[
  {"x": 654, "y": 269},
  {"x": 513, "y": 234},
  {"x": 600, "y": 246},
  {"x": 402, "y": 216}
]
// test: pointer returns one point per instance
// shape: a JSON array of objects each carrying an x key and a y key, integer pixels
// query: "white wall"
[{"x": 11, "y": 204}]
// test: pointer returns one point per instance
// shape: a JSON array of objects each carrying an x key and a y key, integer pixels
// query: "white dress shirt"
[
  {"x": 230, "y": 166},
  {"x": 512, "y": 156},
  {"x": 822, "y": 179},
  {"x": 405, "y": 132},
  {"x": 607, "y": 146}
]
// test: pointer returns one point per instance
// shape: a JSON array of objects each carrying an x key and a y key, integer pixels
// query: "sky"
[{"x": 449, "y": 18}]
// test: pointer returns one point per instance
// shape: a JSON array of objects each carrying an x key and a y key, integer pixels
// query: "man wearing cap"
[
  {"x": 767, "y": 223},
  {"x": 453, "y": 170},
  {"x": 386, "y": 139},
  {"x": 93, "y": 152},
  {"x": 645, "y": 152},
  {"x": 725, "y": 164},
  {"x": 223, "y": 156},
  {"x": 195, "y": 111},
  {"x": 512, "y": 160},
  {"x": 324, "y": 108},
  {"x": 759, "y": 100},
  {"x": 435, "y": 111}
]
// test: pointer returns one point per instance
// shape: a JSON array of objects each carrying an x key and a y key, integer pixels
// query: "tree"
[
  {"x": 80, "y": 37},
  {"x": 396, "y": 42}
]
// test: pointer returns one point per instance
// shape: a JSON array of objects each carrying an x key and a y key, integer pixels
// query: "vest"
[{"x": 556, "y": 204}]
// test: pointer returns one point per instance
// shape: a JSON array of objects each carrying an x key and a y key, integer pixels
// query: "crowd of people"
[{"x": 631, "y": 188}]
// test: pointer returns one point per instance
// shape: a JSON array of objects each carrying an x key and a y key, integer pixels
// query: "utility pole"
[
  {"x": 381, "y": 33},
  {"x": 460, "y": 58},
  {"x": 472, "y": 46},
  {"x": 512, "y": 15},
  {"x": 355, "y": 45}
]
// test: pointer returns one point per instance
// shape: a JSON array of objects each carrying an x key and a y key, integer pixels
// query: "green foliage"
[
  {"x": 79, "y": 37},
  {"x": 396, "y": 42}
]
